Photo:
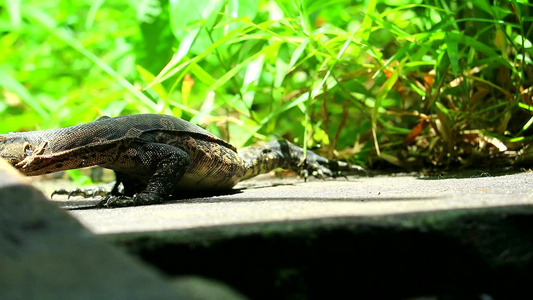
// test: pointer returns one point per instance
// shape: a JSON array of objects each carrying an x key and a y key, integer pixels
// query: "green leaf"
[
  {"x": 149, "y": 77},
  {"x": 49, "y": 24},
  {"x": 239, "y": 8},
  {"x": 452, "y": 49},
  {"x": 91, "y": 15},
  {"x": 202, "y": 74},
  {"x": 301, "y": 99},
  {"x": 484, "y": 5},
  {"x": 184, "y": 13},
  {"x": 232, "y": 72},
  {"x": 183, "y": 50},
  {"x": 9, "y": 82},
  {"x": 251, "y": 78},
  {"x": 304, "y": 18},
  {"x": 147, "y": 10},
  {"x": 366, "y": 27},
  {"x": 13, "y": 8},
  {"x": 171, "y": 69},
  {"x": 298, "y": 53}
]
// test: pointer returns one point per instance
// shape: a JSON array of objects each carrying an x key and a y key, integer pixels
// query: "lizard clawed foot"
[
  {"x": 322, "y": 168},
  {"x": 85, "y": 193},
  {"x": 125, "y": 201},
  {"x": 90, "y": 192},
  {"x": 116, "y": 201},
  {"x": 317, "y": 171}
]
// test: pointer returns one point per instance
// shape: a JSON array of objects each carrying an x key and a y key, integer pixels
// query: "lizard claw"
[
  {"x": 116, "y": 201},
  {"x": 59, "y": 192},
  {"x": 125, "y": 201},
  {"x": 304, "y": 173},
  {"x": 358, "y": 168}
]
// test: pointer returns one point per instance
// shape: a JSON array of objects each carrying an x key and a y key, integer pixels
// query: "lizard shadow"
[
  {"x": 218, "y": 195},
  {"x": 182, "y": 197},
  {"x": 220, "y": 198}
]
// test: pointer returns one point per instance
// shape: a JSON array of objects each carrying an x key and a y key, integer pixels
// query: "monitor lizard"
[{"x": 155, "y": 156}]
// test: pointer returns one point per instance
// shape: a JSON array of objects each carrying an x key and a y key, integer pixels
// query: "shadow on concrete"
[
  {"x": 470, "y": 173},
  {"x": 84, "y": 204},
  {"x": 91, "y": 204},
  {"x": 306, "y": 199}
]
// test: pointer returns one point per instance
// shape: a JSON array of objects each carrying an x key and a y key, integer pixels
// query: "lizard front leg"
[
  {"x": 167, "y": 166},
  {"x": 283, "y": 154}
]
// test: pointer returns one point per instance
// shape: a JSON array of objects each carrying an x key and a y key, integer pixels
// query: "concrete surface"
[
  {"x": 412, "y": 237},
  {"x": 267, "y": 199}
]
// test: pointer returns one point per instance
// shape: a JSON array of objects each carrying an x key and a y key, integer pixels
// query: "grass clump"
[{"x": 411, "y": 84}]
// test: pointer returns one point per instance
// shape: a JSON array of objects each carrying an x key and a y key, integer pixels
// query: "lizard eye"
[{"x": 28, "y": 150}]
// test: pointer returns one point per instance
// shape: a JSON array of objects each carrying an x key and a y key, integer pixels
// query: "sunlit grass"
[{"x": 411, "y": 84}]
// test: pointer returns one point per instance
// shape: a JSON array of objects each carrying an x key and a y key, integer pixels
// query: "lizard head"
[{"x": 14, "y": 149}]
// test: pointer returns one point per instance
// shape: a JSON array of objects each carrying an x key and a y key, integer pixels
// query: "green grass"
[{"x": 414, "y": 84}]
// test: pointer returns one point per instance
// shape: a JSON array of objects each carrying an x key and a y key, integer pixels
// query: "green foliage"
[{"x": 411, "y": 83}]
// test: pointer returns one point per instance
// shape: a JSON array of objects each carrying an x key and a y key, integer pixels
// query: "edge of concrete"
[{"x": 457, "y": 254}]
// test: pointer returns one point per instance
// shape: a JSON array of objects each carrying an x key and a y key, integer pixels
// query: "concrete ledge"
[
  {"x": 462, "y": 254},
  {"x": 371, "y": 238}
]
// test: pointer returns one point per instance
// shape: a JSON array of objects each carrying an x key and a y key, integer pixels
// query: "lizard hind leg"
[{"x": 166, "y": 164}]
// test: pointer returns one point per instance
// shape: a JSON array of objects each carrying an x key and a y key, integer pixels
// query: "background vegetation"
[{"x": 407, "y": 83}]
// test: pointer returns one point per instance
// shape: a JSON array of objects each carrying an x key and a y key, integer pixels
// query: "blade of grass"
[
  {"x": 172, "y": 69},
  {"x": 233, "y": 71},
  {"x": 288, "y": 105},
  {"x": 13, "y": 8},
  {"x": 366, "y": 27},
  {"x": 183, "y": 49},
  {"x": 251, "y": 78},
  {"x": 298, "y": 53},
  {"x": 148, "y": 77},
  {"x": 452, "y": 49},
  {"x": 383, "y": 92},
  {"x": 91, "y": 15},
  {"x": 304, "y": 19}
]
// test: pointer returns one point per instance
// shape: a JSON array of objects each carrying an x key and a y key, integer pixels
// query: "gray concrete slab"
[
  {"x": 269, "y": 199},
  {"x": 449, "y": 238}
]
